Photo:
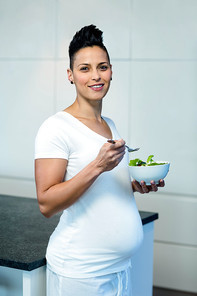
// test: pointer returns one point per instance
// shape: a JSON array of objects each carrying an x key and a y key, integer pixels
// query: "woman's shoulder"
[
  {"x": 55, "y": 126},
  {"x": 52, "y": 139},
  {"x": 54, "y": 120}
]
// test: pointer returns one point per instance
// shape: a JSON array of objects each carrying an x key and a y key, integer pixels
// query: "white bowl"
[{"x": 150, "y": 173}]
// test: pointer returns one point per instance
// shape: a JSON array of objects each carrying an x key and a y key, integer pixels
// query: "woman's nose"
[{"x": 96, "y": 75}]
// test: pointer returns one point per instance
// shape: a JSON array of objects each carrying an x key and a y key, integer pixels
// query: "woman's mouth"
[{"x": 97, "y": 87}]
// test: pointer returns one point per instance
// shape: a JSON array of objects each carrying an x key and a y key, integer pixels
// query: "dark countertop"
[{"x": 25, "y": 232}]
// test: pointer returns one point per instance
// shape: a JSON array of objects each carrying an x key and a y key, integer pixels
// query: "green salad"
[{"x": 149, "y": 162}]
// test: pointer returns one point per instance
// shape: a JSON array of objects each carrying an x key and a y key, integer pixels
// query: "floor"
[{"x": 166, "y": 292}]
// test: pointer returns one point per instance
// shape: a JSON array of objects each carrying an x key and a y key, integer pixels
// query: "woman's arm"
[
  {"x": 55, "y": 195},
  {"x": 143, "y": 188}
]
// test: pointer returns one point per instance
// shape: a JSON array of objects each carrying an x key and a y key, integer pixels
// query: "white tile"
[
  {"x": 164, "y": 29},
  {"x": 27, "y": 92},
  {"x": 177, "y": 217},
  {"x": 163, "y": 118},
  {"x": 112, "y": 17},
  {"x": 65, "y": 92},
  {"x": 175, "y": 267},
  {"x": 116, "y": 102},
  {"x": 17, "y": 187},
  {"x": 27, "y": 28}
]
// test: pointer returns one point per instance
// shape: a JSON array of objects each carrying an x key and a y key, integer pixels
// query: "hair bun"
[{"x": 90, "y": 34}]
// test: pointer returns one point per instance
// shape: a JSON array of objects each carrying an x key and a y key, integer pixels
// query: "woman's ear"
[
  {"x": 70, "y": 75},
  {"x": 111, "y": 71}
]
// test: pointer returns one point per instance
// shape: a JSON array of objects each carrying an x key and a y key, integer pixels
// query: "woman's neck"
[{"x": 87, "y": 110}]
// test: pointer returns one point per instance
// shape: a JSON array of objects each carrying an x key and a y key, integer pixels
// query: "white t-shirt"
[{"x": 100, "y": 232}]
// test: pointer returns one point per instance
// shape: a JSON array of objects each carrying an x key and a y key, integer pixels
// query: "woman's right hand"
[{"x": 110, "y": 155}]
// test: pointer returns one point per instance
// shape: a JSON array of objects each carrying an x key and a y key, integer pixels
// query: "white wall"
[
  {"x": 152, "y": 99},
  {"x": 163, "y": 123},
  {"x": 33, "y": 60}
]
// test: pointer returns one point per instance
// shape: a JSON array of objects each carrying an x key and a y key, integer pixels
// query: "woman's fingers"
[
  {"x": 111, "y": 154},
  {"x": 117, "y": 149},
  {"x": 136, "y": 186},
  {"x": 143, "y": 188},
  {"x": 153, "y": 186},
  {"x": 161, "y": 183},
  {"x": 116, "y": 143}
]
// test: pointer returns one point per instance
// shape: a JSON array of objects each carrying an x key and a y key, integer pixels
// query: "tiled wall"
[
  {"x": 163, "y": 123},
  {"x": 33, "y": 60},
  {"x": 153, "y": 48}
]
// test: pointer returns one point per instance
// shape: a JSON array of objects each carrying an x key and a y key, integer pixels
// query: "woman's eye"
[
  {"x": 103, "y": 67},
  {"x": 84, "y": 69}
]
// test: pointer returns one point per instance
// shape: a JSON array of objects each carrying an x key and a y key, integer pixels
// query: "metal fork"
[
  {"x": 128, "y": 148},
  {"x": 131, "y": 149}
]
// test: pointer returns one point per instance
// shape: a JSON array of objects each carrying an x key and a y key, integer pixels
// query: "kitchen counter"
[{"x": 25, "y": 232}]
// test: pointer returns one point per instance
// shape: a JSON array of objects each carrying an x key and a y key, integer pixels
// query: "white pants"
[{"x": 115, "y": 284}]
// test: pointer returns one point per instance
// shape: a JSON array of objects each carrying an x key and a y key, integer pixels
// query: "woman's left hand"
[{"x": 143, "y": 188}]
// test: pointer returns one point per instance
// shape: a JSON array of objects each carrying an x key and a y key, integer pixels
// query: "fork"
[
  {"x": 128, "y": 148},
  {"x": 131, "y": 149}
]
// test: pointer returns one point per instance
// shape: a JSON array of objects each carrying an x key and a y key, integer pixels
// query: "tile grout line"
[
  {"x": 16, "y": 178},
  {"x": 56, "y": 58},
  {"x": 175, "y": 244}
]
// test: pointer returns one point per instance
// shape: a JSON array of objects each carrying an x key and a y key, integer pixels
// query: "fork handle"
[{"x": 111, "y": 141}]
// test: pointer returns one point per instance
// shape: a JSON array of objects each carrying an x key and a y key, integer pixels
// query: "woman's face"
[{"x": 91, "y": 73}]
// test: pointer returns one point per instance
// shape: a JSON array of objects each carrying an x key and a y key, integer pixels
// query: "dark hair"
[{"x": 87, "y": 36}]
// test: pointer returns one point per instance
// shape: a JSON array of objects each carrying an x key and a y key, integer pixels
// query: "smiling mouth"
[{"x": 97, "y": 86}]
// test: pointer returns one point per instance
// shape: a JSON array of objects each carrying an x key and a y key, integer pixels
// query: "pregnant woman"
[{"x": 86, "y": 178}]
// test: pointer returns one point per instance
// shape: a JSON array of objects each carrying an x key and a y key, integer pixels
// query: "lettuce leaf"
[
  {"x": 150, "y": 159},
  {"x": 136, "y": 162},
  {"x": 149, "y": 162}
]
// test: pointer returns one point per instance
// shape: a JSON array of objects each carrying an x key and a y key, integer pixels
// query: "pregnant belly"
[{"x": 112, "y": 226}]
